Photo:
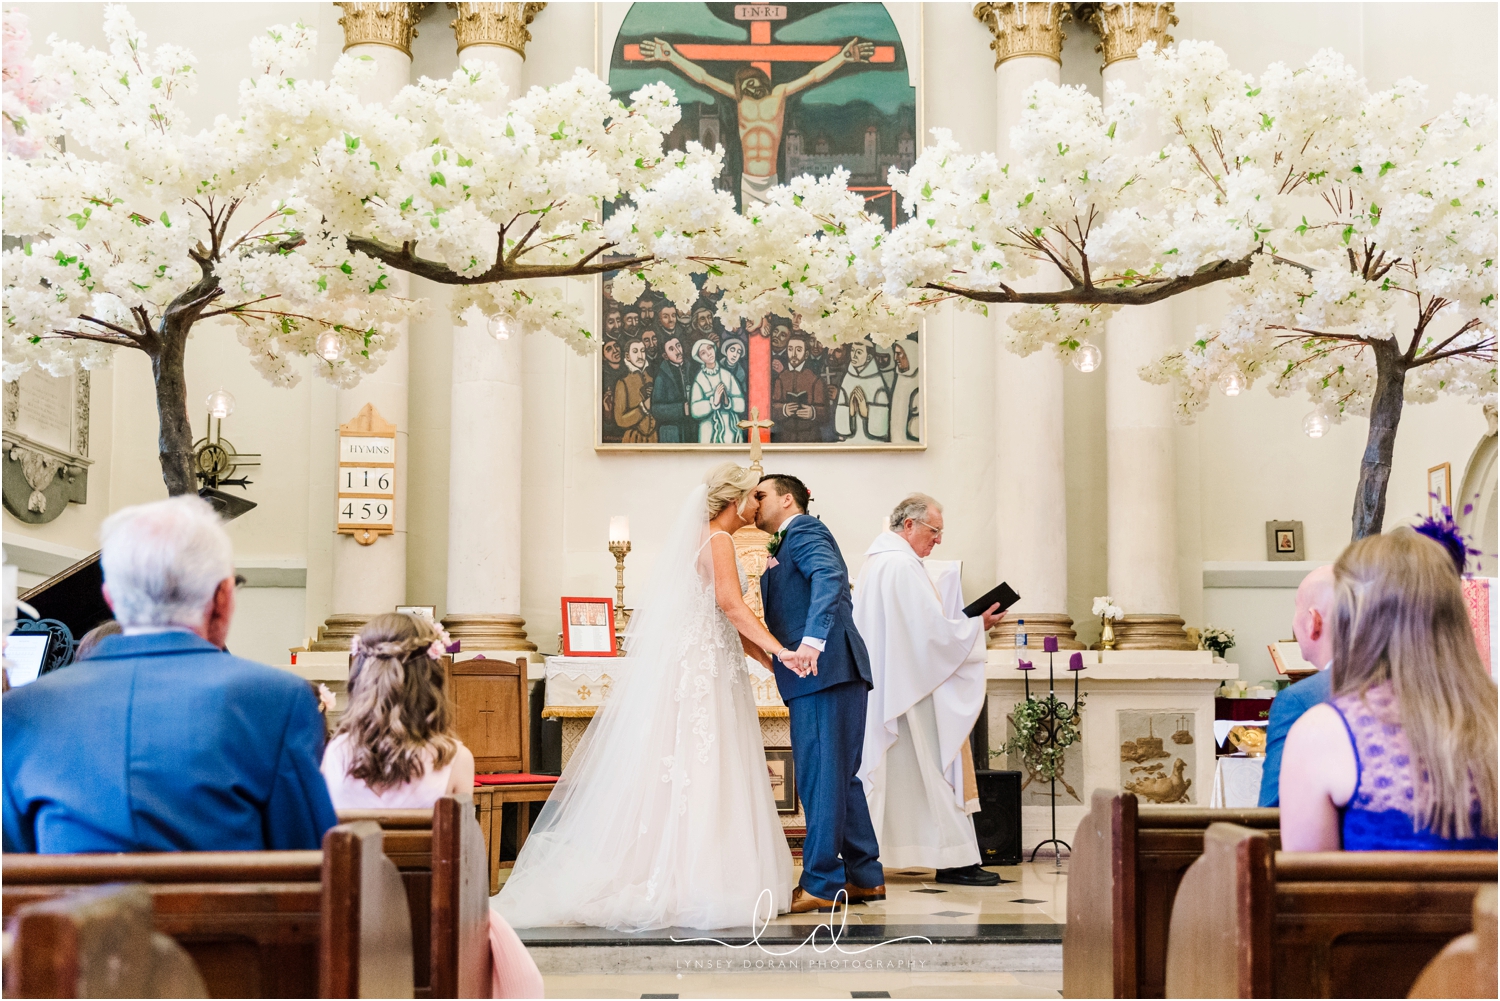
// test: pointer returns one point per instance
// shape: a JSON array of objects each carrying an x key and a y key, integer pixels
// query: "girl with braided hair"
[{"x": 395, "y": 749}]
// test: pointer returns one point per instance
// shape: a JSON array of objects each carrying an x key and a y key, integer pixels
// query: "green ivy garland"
[{"x": 1042, "y": 758}]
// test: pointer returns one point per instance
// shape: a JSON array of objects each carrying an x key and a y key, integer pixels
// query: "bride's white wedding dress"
[{"x": 664, "y": 816}]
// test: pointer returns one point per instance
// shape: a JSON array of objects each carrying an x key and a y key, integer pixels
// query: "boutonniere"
[{"x": 775, "y": 542}]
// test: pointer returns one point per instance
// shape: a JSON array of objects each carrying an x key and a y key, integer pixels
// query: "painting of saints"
[
  {"x": 762, "y": 107},
  {"x": 863, "y": 415},
  {"x": 906, "y": 414},
  {"x": 633, "y": 397},
  {"x": 669, "y": 401},
  {"x": 718, "y": 400},
  {"x": 799, "y": 402}
]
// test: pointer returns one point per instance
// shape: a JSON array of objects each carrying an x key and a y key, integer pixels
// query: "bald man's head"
[{"x": 1312, "y": 624}]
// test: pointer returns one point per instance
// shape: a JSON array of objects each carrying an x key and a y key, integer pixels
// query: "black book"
[
  {"x": 1001, "y": 594},
  {"x": 800, "y": 399}
]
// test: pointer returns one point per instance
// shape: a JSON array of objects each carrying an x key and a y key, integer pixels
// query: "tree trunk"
[
  {"x": 176, "y": 440},
  {"x": 1385, "y": 418}
]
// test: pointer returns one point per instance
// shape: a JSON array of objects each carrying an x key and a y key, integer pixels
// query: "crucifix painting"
[{"x": 785, "y": 89}]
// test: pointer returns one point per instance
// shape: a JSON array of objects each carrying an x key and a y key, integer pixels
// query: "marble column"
[
  {"x": 368, "y": 580},
  {"x": 1140, "y": 435},
  {"x": 1030, "y": 482},
  {"x": 484, "y": 472}
]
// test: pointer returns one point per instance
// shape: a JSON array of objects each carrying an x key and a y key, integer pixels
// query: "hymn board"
[{"x": 367, "y": 477}]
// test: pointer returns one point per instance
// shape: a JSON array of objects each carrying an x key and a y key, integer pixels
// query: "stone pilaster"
[
  {"x": 484, "y": 473},
  {"x": 1124, "y": 27},
  {"x": 369, "y": 580},
  {"x": 391, "y": 24},
  {"x": 504, "y": 24},
  {"x": 1030, "y": 479},
  {"x": 1140, "y": 434},
  {"x": 1024, "y": 29}
]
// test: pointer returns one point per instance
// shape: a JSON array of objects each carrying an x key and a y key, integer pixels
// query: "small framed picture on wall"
[
  {"x": 1284, "y": 540},
  {"x": 1439, "y": 488},
  {"x": 783, "y": 776},
  {"x": 588, "y": 627}
]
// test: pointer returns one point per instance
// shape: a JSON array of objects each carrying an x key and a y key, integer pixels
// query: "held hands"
[
  {"x": 801, "y": 663},
  {"x": 991, "y": 617}
]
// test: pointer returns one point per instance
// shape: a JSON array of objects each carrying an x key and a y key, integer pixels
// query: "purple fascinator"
[{"x": 1443, "y": 529}]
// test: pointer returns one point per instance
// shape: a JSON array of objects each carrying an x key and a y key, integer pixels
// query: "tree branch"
[
  {"x": 84, "y": 335},
  {"x": 1141, "y": 294},
  {"x": 503, "y": 270},
  {"x": 110, "y": 326}
]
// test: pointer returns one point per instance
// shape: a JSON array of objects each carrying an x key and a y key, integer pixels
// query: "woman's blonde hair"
[
  {"x": 1399, "y": 616},
  {"x": 398, "y": 709},
  {"x": 728, "y": 484}
]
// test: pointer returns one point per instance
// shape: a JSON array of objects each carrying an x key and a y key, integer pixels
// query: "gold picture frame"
[
  {"x": 1439, "y": 487},
  {"x": 783, "y": 774}
]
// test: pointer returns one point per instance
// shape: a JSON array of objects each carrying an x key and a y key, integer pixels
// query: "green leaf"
[
  {"x": 379, "y": 285},
  {"x": 1024, "y": 201},
  {"x": 437, "y": 179},
  {"x": 351, "y": 143},
  {"x": 164, "y": 220},
  {"x": 1357, "y": 169},
  {"x": 156, "y": 83},
  {"x": 347, "y": 268},
  {"x": 1348, "y": 232},
  {"x": 1111, "y": 130},
  {"x": 81, "y": 219},
  {"x": 1388, "y": 165},
  {"x": 1253, "y": 93},
  {"x": 322, "y": 283},
  {"x": 1455, "y": 203},
  {"x": 1266, "y": 121},
  {"x": 407, "y": 203},
  {"x": 927, "y": 190}
]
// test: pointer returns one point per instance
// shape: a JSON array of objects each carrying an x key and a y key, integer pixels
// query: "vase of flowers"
[
  {"x": 1109, "y": 613},
  {"x": 1216, "y": 639}
]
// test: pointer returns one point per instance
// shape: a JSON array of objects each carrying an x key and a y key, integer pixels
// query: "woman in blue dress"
[{"x": 1403, "y": 756}]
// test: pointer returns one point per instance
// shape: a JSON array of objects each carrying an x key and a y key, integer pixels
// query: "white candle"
[{"x": 619, "y": 528}]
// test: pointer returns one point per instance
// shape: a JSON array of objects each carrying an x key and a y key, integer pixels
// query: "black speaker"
[{"x": 997, "y": 825}]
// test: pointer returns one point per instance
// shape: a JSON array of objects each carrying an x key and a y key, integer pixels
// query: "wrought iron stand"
[{"x": 1056, "y": 712}]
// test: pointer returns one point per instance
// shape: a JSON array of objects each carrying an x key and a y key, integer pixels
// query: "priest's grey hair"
[
  {"x": 163, "y": 561},
  {"x": 915, "y": 507}
]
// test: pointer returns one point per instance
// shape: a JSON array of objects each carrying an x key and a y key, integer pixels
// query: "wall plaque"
[
  {"x": 367, "y": 477},
  {"x": 46, "y": 434}
]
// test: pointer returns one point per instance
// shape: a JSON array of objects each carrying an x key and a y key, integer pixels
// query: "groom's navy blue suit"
[{"x": 806, "y": 594}]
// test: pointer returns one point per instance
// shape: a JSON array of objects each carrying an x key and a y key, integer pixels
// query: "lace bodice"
[{"x": 1381, "y": 813}]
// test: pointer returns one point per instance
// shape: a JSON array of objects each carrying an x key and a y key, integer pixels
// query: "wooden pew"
[
  {"x": 1252, "y": 922},
  {"x": 96, "y": 943},
  {"x": 1466, "y": 966},
  {"x": 1122, "y": 877},
  {"x": 324, "y": 923},
  {"x": 442, "y": 859}
]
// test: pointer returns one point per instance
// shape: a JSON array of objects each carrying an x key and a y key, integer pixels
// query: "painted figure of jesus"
[{"x": 762, "y": 107}]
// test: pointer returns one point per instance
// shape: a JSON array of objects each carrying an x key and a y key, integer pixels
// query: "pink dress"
[{"x": 513, "y": 973}]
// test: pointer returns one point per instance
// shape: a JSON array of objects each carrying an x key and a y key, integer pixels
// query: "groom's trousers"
[{"x": 828, "y": 736}]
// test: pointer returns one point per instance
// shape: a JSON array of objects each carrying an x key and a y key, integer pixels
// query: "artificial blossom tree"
[
  {"x": 134, "y": 244},
  {"x": 1356, "y": 234}
]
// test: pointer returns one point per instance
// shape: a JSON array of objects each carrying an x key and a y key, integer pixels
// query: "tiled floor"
[
  {"x": 961, "y": 923},
  {"x": 808, "y": 985}
]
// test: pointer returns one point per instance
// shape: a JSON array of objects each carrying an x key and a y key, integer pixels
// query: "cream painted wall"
[{"x": 1244, "y": 462}]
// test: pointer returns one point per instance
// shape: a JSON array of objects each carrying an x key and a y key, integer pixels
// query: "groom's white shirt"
[{"x": 816, "y": 644}]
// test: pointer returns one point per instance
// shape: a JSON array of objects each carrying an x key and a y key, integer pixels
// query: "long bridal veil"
[{"x": 664, "y": 814}]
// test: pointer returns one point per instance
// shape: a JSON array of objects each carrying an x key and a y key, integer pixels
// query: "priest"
[{"x": 928, "y": 673}]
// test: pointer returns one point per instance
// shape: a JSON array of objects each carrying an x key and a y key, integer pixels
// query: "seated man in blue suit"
[
  {"x": 1314, "y": 634},
  {"x": 161, "y": 741}
]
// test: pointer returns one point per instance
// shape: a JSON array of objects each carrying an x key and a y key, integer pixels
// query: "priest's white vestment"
[{"x": 927, "y": 664}]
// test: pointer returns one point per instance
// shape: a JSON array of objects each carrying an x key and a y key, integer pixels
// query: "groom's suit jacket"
[{"x": 807, "y": 594}]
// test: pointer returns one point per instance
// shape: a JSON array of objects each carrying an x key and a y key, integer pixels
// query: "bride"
[{"x": 664, "y": 815}]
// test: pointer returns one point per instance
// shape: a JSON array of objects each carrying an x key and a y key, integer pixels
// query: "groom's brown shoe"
[
  {"x": 864, "y": 895},
  {"x": 803, "y": 902}
]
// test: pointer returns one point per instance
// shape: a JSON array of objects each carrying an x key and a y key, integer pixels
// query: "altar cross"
[{"x": 759, "y": 425}]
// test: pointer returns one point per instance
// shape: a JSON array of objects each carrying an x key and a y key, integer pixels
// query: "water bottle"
[{"x": 1021, "y": 650}]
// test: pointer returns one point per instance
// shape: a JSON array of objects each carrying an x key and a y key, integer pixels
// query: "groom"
[{"x": 805, "y": 593}]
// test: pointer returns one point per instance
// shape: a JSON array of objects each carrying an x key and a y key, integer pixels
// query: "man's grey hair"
[
  {"x": 164, "y": 560},
  {"x": 915, "y": 507}
]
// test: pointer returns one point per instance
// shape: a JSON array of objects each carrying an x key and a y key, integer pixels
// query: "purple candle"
[
  {"x": 1075, "y": 662},
  {"x": 1049, "y": 644},
  {"x": 1025, "y": 665}
]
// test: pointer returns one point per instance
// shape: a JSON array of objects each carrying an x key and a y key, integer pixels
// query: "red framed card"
[{"x": 588, "y": 627}]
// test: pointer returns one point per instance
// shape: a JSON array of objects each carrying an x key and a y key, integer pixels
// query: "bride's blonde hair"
[{"x": 728, "y": 484}]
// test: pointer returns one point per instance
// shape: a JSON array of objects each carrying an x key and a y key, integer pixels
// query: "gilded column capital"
[
  {"x": 494, "y": 24},
  {"x": 381, "y": 23},
  {"x": 1124, "y": 27},
  {"x": 1024, "y": 29}
]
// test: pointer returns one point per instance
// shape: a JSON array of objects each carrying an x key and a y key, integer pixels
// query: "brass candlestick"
[{"x": 622, "y": 614}]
